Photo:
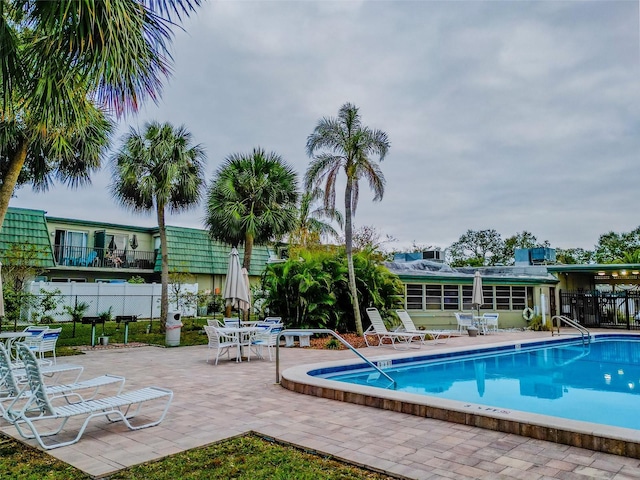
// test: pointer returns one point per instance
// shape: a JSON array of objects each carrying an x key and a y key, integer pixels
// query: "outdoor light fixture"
[
  {"x": 600, "y": 273},
  {"x": 635, "y": 272},
  {"x": 623, "y": 272},
  {"x": 614, "y": 274}
]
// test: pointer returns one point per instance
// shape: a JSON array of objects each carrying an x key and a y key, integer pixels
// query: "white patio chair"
[
  {"x": 265, "y": 337},
  {"x": 124, "y": 407},
  {"x": 273, "y": 319},
  {"x": 233, "y": 322},
  {"x": 221, "y": 342},
  {"x": 409, "y": 326},
  {"x": 490, "y": 321},
  {"x": 379, "y": 330},
  {"x": 465, "y": 320},
  {"x": 214, "y": 323},
  {"x": 12, "y": 391},
  {"x": 43, "y": 343}
]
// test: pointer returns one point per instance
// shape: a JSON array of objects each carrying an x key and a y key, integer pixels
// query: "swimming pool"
[
  {"x": 598, "y": 382},
  {"x": 539, "y": 389}
]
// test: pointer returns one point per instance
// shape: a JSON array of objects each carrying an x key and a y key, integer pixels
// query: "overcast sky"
[{"x": 511, "y": 115}]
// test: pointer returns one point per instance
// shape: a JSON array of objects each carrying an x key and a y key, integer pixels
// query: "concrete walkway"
[{"x": 212, "y": 403}]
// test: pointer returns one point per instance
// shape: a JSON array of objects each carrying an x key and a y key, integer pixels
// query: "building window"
[
  {"x": 503, "y": 298},
  {"x": 467, "y": 294},
  {"x": 433, "y": 300},
  {"x": 487, "y": 294},
  {"x": 458, "y": 297},
  {"x": 415, "y": 294},
  {"x": 451, "y": 297},
  {"x": 518, "y": 298},
  {"x": 70, "y": 246}
]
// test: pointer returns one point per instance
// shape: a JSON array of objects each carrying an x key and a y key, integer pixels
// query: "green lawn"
[
  {"x": 249, "y": 457},
  {"x": 192, "y": 333}
]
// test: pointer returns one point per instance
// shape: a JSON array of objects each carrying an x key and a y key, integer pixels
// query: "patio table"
[
  {"x": 10, "y": 338},
  {"x": 242, "y": 335},
  {"x": 481, "y": 322}
]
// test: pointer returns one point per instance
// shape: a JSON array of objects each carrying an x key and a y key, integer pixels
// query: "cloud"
[{"x": 507, "y": 115}]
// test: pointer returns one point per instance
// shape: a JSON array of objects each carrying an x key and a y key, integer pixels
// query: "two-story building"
[{"x": 72, "y": 250}]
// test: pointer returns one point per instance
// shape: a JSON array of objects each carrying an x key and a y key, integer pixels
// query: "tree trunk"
[
  {"x": 16, "y": 162},
  {"x": 348, "y": 237},
  {"x": 248, "y": 250},
  {"x": 164, "y": 273}
]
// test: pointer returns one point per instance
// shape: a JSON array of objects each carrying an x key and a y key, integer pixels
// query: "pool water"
[{"x": 598, "y": 382}]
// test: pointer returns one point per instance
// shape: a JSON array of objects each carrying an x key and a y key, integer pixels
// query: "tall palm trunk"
[
  {"x": 248, "y": 250},
  {"x": 164, "y": 272},
  {"x": 16, "y": 162},
  {"x": 348, "y": 237}
]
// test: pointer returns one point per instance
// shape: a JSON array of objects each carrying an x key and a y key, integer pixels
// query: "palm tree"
[
  {"x": 251, "y": 200},
  {"x": 155, "y": 169},
  {"x": 64, "y": 64},
  {"x": 311, "y": 228},
  {"x": 343, "y": 143}
]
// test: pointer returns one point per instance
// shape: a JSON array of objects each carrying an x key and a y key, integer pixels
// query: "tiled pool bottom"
[{"x": 615, "y": 440}]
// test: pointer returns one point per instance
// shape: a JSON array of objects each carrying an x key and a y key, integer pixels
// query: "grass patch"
[
  {"x": 249, "y": 457},
  {"x": 192, "y": 333}
]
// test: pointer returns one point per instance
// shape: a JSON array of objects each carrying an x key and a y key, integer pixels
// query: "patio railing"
[
  {"x": 339, "y": 338},
  {"x": 69, "y": 256}
]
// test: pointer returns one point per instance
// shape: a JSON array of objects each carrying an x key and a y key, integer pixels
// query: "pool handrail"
[
  {"x": 572, "y": 323},
  {"x": 334, "y": 334}
]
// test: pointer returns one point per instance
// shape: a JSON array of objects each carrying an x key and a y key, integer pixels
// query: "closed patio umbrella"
[
  {"x": 477, "y": 298},
  {"x": 235, "y": 291}
]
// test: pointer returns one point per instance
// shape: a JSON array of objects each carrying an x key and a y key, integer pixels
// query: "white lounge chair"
[
  {"x": 12, "y": 391},
  {"x": 115, "y": 408},
  {"x": 409, "y": 326},
  {"x": 379, "y": 330},
  {"x": 221, "y": 343},
  {"x": 490, "y": 321},
  {"x": 465, "y": 320}
]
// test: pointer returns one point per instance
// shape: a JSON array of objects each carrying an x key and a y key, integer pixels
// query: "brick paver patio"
[{"x": 212, "y": 403}]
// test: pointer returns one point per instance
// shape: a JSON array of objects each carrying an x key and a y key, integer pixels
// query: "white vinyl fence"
[{"x": 142, "y": 300}]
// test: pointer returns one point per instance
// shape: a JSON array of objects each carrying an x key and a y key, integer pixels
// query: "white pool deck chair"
[
  {"x": 490, "y": 321},
  {"x": 221, "y": 343},
  {"x": 265, "y": 337},
  {"x": 464, "y": 320},
  {"x": 12, "y": 391},
  {"x": 409, "y": 326},
  {"x": 122, "y": 407},
  {"x": 379, "y": 330}
]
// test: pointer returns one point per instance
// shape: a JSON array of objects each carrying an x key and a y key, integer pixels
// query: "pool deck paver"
[{"x": 212, "y": 403}]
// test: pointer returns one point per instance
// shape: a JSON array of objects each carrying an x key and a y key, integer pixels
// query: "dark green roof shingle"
[
  {"x": 192, "y": 250},
  {"x": 25, "y": 226}
]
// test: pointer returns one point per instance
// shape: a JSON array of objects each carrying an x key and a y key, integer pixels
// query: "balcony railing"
[{"x": 67, "y": 256}]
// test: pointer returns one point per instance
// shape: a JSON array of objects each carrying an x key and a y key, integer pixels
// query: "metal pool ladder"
[
  {"x": 586, "y": 336},
  {"x": 335, "y": 335}
]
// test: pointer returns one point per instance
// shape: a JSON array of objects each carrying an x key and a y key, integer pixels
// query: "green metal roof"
[
  {"x": 25, "y": 226},
  {"x": 192, "y": 250}
]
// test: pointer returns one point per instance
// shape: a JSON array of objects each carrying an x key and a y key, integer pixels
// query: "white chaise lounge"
[
  {"x": 409, "y": 326},
  {"x": 39, "y": 408},
  {"x": 379, "y": 330}
]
